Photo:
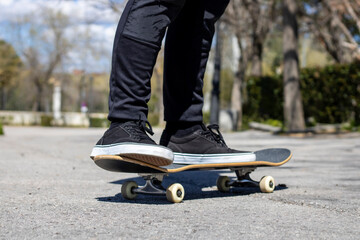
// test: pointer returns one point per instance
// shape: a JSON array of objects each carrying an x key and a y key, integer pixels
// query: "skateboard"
[{"x": 153, "y": 175}]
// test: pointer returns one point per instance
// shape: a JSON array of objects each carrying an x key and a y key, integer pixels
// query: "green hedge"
[
  {"x": 46, "y": 120},
  {"x": 330, "y": 95},
  {"x": 99, "y": 122},
  {"x": 263, "y": 98},
  {"x": 1, "y": 128}
]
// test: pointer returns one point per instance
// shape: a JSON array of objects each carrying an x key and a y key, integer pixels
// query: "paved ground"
[{"x": 50, "y": 188}]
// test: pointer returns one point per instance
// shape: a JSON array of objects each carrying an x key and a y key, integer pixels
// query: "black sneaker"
[
  {"x": 203, "y": 146},
  {"x": 129, "y": 139}
]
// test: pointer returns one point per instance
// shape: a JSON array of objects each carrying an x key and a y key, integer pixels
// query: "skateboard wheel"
[
  {"x": 222, "y": 184},
  {"x": 175, "y": 193},
  {"x": 267, "y": 184},
  {"x": 127, "y": 190}
]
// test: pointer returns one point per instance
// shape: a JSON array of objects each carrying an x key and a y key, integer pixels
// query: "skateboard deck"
[{"x": 154, "y": 174}]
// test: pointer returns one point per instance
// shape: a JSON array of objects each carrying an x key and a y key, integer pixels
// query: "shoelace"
[
  {"x": 142, "y": 124},
  {"x": 212, "y": 132}
]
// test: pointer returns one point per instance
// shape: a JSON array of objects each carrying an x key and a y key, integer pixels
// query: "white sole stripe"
[
  {"x": 132, "y": 148},
  {"x": 184, "y": 158}
]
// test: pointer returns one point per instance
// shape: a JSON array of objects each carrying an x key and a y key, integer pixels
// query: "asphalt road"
[{"x": 50, "y": 188}]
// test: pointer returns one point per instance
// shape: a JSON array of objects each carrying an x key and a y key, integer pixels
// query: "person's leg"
[
  {"x": 137, "y": 42},
  {"x": 187, "y": 47},
  {"x": 188, "y": 43}
]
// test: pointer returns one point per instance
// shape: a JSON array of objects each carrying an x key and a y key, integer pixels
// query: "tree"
[
  {"x": 235, "y": 17},
  {"x": 293, "y": 109},
  {"x": 46, "y": 47},
  {"x": 10, "y": 64},
  {"x": 262, "y": 16},
  {"x": 250, "y": 22},
  {"x": 115, "y": 5},
  {"x": 337, "y": 25}
]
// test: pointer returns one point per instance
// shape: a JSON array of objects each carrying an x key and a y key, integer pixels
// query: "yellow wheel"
[
  {"x": 222, "y": 184},
  {"x": 127, "y": 190},
  {"x": 267, "y": 184},
  {"x": 175, "y": 193}
]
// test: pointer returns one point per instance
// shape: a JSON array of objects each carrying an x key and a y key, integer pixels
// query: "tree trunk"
[
  {"x": 215, "y": 93},
  {"x": 158, "y": 75},
  {"x": 160, "y": 102},
  {"x": 236, "y": 103},
  {"x": 161, "y": 106},
  {"x": 236, "y": 94},
  {"x": 91, "y": 95},
  {"x": 293, "y": 109},
  {"x": 39, "y": 98},
  {"x": 256, "y": 68}
]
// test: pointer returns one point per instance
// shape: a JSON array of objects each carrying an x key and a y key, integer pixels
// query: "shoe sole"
[
  {"x": 186, "y": 158},
  {"x": 151, "y": 154}
]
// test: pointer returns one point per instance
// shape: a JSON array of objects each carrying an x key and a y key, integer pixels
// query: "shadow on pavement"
[{"x": 197, "y": 186}]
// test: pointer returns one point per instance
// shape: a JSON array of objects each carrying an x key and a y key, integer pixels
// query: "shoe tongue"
[{"x": 139, "y": 129}]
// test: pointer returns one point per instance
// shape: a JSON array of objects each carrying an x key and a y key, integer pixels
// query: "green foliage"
[
  {"x": 264, "y": 98},
  {"x": 99, "y": 122},
  {"x": 46, "y": 120},
  {"x": 153, "y": 115},
  {"x": 330, "y": 95},
  {"x": 1, "y": 128},
  {"x": 10, "y": 64},
  {"x": 206, "y": 117},
  {"x": 273, "y": 122},
  {"x": 153, "y": 102},
  {"x": 351, "y": 126},
  {"x": 6, "y": 119},
  {"x": 153, "y": 118}
]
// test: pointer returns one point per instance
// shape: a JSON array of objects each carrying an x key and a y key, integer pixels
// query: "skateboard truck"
[
  {"x": 266, "y": 184},
  {"x": 152, "y": 186},
  {"x": 244, "y": 179},
  {"x": 174, "y": 193}
]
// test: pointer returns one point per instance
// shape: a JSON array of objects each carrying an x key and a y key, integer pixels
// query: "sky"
[{"x": 89, "y": 16}]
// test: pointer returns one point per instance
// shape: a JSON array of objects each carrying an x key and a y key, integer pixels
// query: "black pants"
[{"x": 138, "y": 39}]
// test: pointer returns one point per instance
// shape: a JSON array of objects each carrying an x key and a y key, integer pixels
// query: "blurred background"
[{"x": 288, "y": 66}]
